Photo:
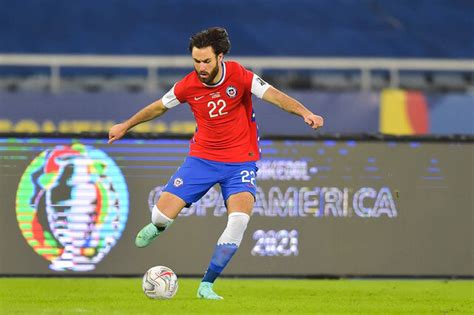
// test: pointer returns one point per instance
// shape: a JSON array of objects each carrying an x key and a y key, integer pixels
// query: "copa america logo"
[{"x": 72, "y": 206}]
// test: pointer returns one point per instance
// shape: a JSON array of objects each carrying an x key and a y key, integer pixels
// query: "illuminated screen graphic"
[
  {"x": 322, "y": 208},
  {"x": 72, "y": 206}
]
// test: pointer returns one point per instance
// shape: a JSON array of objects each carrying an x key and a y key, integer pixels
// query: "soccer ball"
[{"x": 160, "y": 282}]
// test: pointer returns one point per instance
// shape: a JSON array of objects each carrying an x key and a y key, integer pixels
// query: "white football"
[{"x": 160, "y": 282}]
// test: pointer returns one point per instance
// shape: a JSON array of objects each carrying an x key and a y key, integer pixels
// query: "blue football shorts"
[{"x": 196, "y": 176}]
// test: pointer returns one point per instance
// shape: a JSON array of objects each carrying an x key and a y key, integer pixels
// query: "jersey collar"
[{"x": 221, "y": 80}]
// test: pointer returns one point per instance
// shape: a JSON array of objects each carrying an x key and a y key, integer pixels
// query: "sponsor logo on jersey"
[
  {"x": 231, "y": 91},
  {"x": 215, "y": 95},
  {"x": 178, "y": 182},
  {"x": 197, "y": 98}
]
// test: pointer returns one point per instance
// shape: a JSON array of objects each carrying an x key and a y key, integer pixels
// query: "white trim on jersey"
[
  {"x": 259, "y": 87},
  {"x": 221, "y": 80},
  {"x": 169, "y": 99}
]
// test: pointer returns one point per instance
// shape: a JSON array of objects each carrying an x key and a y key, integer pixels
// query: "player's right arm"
[{"x": 155, "y": 109}]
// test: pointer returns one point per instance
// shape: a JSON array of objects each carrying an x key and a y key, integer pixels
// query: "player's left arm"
[{"x": 289, "y": 104}]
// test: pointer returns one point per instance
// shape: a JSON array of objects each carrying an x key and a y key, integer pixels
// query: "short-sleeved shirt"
[{"x": 226, "y": 128}]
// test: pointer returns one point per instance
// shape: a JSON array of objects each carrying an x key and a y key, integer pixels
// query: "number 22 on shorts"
[{"x": 248, "y": 177}]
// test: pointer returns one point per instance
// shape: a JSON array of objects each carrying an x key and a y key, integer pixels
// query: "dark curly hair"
[{"x": 216, "y": 37}]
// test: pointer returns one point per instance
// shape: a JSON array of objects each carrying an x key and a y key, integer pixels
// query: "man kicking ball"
[{"x": 224, "y": 148}]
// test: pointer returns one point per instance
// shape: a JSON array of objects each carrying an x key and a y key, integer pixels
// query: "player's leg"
[
  {"x": 239, "y": 207},
  {"x": 239, "y": 192},
  {"x": 190, "y": 182},
  {"x": 163, "y": 214}
]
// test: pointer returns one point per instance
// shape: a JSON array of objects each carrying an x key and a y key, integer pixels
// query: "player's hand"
[
  {"x": 116, "y": 132},
  {"x": 314, "y": 121}
]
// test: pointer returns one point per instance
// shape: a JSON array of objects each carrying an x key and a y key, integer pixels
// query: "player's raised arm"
[
  {"x": 155, "y": 109},
  {"x": 289, "y": 104}
]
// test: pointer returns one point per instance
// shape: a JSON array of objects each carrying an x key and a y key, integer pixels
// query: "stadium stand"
[
  {"x": 340, "y": 28},
  {"x": 345, "y": 28}
]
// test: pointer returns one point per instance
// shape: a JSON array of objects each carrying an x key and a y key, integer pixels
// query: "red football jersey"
[{"x": 226, "y": 128}]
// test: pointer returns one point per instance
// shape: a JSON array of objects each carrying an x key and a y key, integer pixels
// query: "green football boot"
[
  {"x": 205, "y": 292},
  {"x": 147, "y": 235}
]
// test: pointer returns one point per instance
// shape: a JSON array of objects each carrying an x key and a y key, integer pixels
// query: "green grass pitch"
[{"x": 242, "y": 296}]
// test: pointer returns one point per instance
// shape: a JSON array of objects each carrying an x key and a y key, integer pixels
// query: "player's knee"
[
  {"x": 159, "y": 219},
  {"x": 234, "y": 231}
]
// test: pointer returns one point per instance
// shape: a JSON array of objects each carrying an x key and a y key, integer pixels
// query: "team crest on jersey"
[
  {"x": 231, "y": 91},
  {"x": 178, "y": 182}
]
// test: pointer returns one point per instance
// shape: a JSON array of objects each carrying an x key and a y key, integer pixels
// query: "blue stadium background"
[
  {"x": 385, "y": 28},
  {"x": 423, "y": 29}
]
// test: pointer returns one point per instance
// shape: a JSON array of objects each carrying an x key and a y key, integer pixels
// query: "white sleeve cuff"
[
  {"x": 259, "y": 87},
  {"x": 169, "y": 99}
]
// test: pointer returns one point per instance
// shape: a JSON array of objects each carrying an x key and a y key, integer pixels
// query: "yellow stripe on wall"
[{"x": 393, "y": 113}]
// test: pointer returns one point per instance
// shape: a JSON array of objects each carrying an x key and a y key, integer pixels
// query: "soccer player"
[{"x": 224, "y": 147}]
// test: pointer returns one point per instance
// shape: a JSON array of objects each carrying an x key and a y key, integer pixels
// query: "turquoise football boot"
[
  {"x": 205, "y": 292},
  {"x": 147, "y": 235}
]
